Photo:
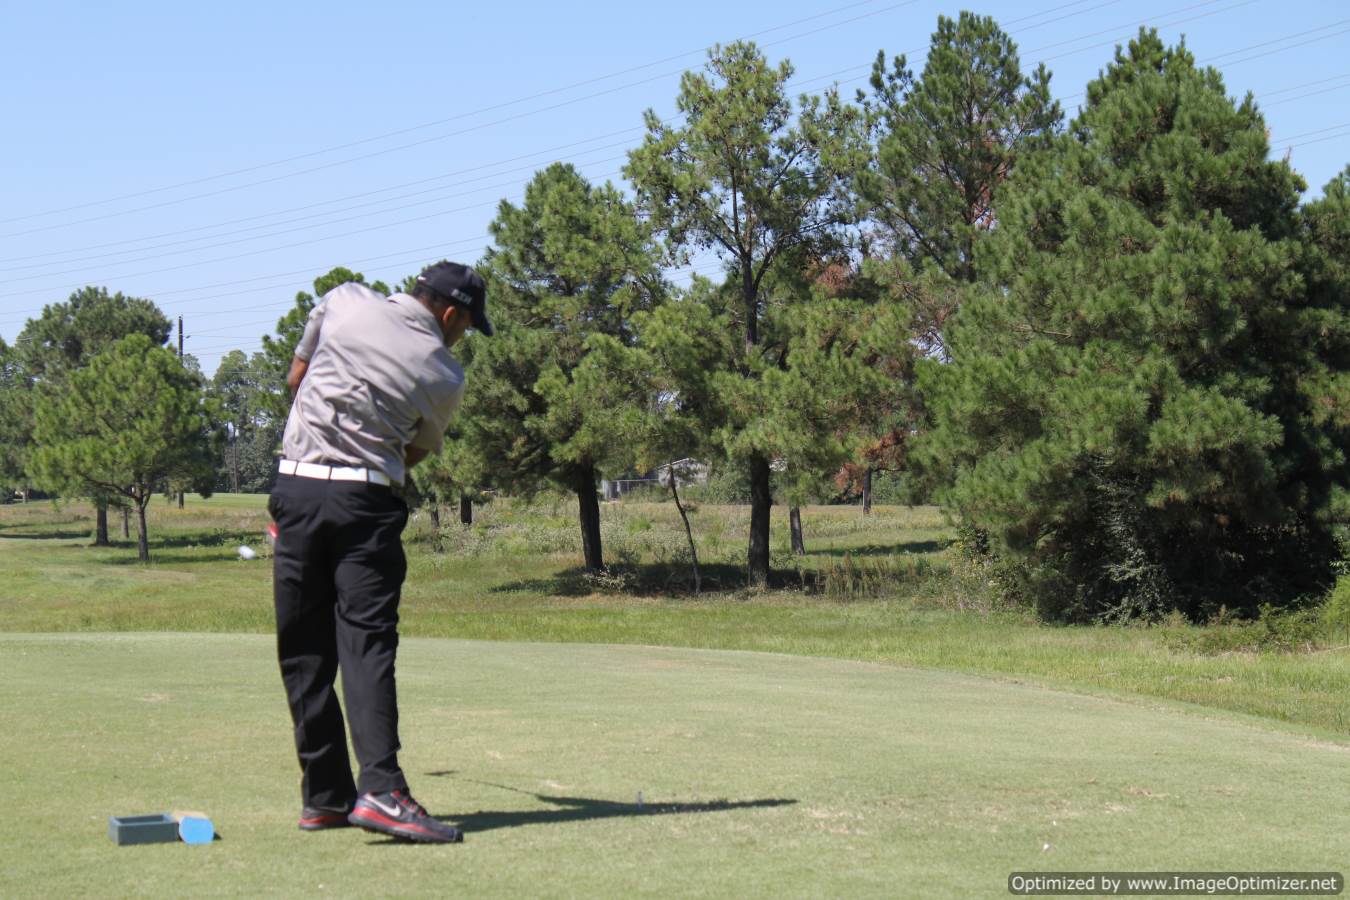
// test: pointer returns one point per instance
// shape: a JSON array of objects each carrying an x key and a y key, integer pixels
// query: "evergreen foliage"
[
  {"x": 63, "y": 339},
  {"x": 1129, "y": 413},
  {"x": 571, "y": 266},
  {"x": 943, "y": 146},
  {"x": 15, "y": 397},
  {"x": 949, "y": 139},
  {"x": 754, "y": 178},
  {"x": 243, "y": 391},
  {"x": 1326, "y": 388},
  {"x": 131, "y": 420}
]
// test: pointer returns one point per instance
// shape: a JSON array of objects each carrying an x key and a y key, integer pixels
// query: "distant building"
[{"x": 687, "y": 471}]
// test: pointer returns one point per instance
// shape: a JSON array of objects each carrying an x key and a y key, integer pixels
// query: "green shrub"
[
  {"x": 899, "y": 489},
  {"x": 1335, "y": 612},
  {"x": 726, "y": 484},
  {"x": 1275, "y": 631}
]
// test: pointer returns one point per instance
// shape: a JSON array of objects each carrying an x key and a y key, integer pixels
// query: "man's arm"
[
  {"x": 414, "y": 455},
  {"x": 297, "y": 374},
  {"x": 309, "y": 342}
]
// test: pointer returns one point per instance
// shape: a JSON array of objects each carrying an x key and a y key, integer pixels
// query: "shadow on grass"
[
  {"x": 647, "y": 579},
  {"x": 584, "y": 809},
  {"x": 45, "y": 536},
  {"x": 211, "y": 547},
  {"x": 208, "y": 539},
  {"x": 886, "y": 549},
  {"x": 212, "y": 557}
]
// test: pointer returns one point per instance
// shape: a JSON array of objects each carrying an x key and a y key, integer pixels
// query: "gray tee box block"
[{"x": 159, "y": 828}]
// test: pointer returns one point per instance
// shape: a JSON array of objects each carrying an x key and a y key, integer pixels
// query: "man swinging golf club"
[{"x": 374, "y": 388}]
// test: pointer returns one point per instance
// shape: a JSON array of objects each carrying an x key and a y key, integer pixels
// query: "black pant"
[{"x": 338, "y": 570}]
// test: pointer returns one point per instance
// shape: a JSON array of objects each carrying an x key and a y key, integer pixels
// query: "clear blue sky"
[{"x": 107, "y": 100}]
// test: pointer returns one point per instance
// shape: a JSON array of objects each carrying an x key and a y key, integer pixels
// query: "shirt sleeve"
[
  {"x": 431, "y": 429},
  {"x": 309, "y": 341}
]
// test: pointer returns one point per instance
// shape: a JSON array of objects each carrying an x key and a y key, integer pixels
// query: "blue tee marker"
[{"x": 196, "y": 830}]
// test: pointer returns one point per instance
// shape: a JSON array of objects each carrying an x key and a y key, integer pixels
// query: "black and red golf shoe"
[
  {"x": 397, "y": 814},
  {"x": 318, "y": 818}
]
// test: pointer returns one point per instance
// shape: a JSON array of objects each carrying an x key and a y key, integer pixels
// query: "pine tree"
[
  {"x": 1325, "y": 388},
  {"x": 1123, "y": 413},
  {"x": 64, "y": 339},
  {"x": 755, "y": 179},
  {"x": 15, "y": 398},
  {"x": 132, "y": 419},
  {"x": 949, "y": 140},
  {"x": 571, "y": 263},
  {"x": 944, "y": 145}
]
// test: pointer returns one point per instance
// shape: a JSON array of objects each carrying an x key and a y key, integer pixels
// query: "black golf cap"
[{"x": 461, "y": 286}]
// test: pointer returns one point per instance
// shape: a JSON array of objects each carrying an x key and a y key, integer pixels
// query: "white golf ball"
[{"x": 247, "y": 553}]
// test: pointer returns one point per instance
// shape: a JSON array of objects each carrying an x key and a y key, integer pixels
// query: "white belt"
[{"x": 332, "y": 473}]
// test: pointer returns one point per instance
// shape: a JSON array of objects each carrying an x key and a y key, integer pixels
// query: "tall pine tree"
[
  {"x": 571, "y": 263},
  {"x": 133, "y": 419},
  {"x": 752, "y": 177},
  {"x": 1126, "y": 412}
]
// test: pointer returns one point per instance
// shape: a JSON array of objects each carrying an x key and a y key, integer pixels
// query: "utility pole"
[{"x": 181, "y": 501}]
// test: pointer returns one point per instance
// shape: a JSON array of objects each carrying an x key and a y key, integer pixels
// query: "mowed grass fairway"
[
  {"x": 759, "y": 774},
  {"x": 901, "y": 736}
]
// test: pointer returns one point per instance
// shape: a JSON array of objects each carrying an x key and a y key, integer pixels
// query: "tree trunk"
[
  {"x": 589, "y": 507},
  {"x": 434, "y": 510},
  {"x": 181, "y": 496},
  {"x": 689, "y": 532},
  {"x": 867, "y": 491},
  {"x": 126, "y": 523},
  {"x": 234, "y": 461},
  {"x": 142, "y": 539},
  {"x": 795, "y": 520},
  {"x": 101, "y": 524},
  {"x": 761, "y": 499},
  {"x": 465, "y": 509},
  {"x": 751, "y": 301}
]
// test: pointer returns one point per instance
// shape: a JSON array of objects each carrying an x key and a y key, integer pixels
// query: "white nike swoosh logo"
[{"x": 392, "y": 811}]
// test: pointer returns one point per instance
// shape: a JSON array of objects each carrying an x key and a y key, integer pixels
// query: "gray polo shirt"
[{"x": 380, "y": 378}]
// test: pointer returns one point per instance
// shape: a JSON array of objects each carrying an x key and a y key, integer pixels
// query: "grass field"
[
  {"x": 903, "y": 735},
  {"x": 513, "y": 577},
  {"x": 759, "y": 775}
]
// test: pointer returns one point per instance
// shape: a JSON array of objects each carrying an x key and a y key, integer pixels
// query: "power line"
[
  {"x": 425, "y": 125},
  {"x": 1330, "y": 137},
  {"x": 310, "y": 270},
  {"x": 286, "y": 231},
  {"x": 1289, "y": 47},
  {"x": 110, "y": 215},
  {"x": 344, "y": 198},
  {"x": 461, "y": 131},
  {"x": 214, "y": 237},
  {"x": 1279, "y": 39},
  {"x": 1306, "y": 133},
  {"x": 1145, "y": 22},
  {"x": 458, "y": 132},
  {"x": 255, "y": 344}
]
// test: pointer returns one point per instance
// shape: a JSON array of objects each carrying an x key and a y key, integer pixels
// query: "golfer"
[{"x": 374, "y": 387}]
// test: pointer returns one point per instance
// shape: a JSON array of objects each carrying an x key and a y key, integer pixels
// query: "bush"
[
  {"x": 899, "y": 489},
  {"x": 1276, "y": 630},
  {"x": 1335, "y": 613},
  {"x": 727, "y": 484}
]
